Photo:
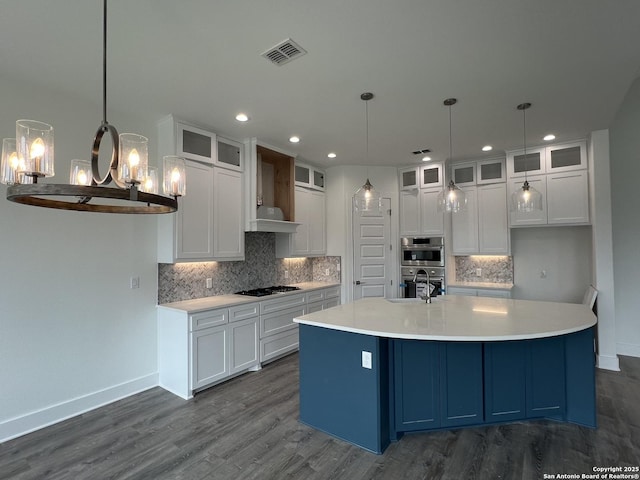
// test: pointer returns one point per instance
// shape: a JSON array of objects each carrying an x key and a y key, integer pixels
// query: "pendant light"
[
  {"x": 367, "y": 200},
  {"x": 451, "y": 199},
  {"x": 525, "y": 199},
  {"x": 134, "y": 191}
]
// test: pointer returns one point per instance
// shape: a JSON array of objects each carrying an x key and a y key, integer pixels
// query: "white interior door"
[{"x": 372, "y": 276}]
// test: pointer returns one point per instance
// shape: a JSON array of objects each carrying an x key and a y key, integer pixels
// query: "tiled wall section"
[
  {"x": 261, "y": 268},
  {"x": 494, "y": 269}
]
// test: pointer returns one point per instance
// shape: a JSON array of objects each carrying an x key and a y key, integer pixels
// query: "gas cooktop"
[{"x": 261, "y": 292}]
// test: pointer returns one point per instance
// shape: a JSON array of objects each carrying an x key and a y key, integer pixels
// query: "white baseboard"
[
  {"x": 629, "y": 349},
  {"x": 15, "y": 427},
  {"x": 608, "y": 362}
]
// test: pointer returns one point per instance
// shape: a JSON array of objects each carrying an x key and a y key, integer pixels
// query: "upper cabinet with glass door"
[
  {"x": 195, "y": 143},
  {"x": 431, "y": 175},
  {"x": 409, "y": 178},
  {"x": 519, "y": 165},
  {"x": 309, "y": 177},
  {"x": 567, "y": 157},
  {"x": 230, "y": 154},
  {"x": 464, "y": 174}
]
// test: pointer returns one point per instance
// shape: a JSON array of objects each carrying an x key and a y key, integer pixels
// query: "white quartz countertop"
[
  {"x": 455, "y": 318},
  {"x": 220, "y": 301}
]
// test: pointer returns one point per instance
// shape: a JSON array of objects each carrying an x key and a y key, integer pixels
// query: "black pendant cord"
[
  {"x": 104, "y": 62},
  {"x": 524, "y": 142}
]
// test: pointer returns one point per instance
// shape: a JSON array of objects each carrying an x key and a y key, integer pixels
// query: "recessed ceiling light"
[
  {"x": 487, "y": 148},
  {"x": 294, "y": 139},
  {"x": 242, "y": 117},
  {"x": 548, "y": 138},
  {"x": 426, "y": 159},
  {"x": 331, "y": 155}
]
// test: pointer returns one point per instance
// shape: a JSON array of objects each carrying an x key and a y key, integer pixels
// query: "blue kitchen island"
[{"x": 375, "y": 369}]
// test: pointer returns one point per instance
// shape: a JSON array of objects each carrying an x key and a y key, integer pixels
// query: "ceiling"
[{"x": 574, "y": 60}]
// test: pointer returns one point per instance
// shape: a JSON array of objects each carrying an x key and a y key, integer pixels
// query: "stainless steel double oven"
[{"x": 420, "y": 254}]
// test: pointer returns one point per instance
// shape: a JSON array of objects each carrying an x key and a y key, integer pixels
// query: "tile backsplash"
[
  {"x": 261, "y": 268},
  {"x": 494, "y": 269}
]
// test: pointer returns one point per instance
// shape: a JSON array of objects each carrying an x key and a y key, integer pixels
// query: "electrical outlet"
[
  {"x": 286, "y": 274},
  {"x": 209, "y": 283},
  {"x": 326, "y": 272},
  {"x": 478, "y": 272},
  {"x": 134, "y": 282},
  {"x": 366, "y": 359}
]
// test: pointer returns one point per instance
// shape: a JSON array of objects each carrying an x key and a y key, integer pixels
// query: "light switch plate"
[{"x": 366, "y": 359}]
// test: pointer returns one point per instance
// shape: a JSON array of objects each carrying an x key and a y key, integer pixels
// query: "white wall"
[
  {"x": 624, "y": 138},
  {"x": 73, "y": 335},
  {"x": 342, "y": 182},
  {"x": 565, "y": 255}
]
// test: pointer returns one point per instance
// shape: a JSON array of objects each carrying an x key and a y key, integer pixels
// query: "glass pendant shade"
[
  {"x": 526, "y": 199},
  {"x": 34, "y": 144},
  {"x": 150, "y": 183},
  {"x": 10, "y": 162},
  {"x": 367, "y": 199},
  {"x": 174, "y": 176},
  {"x": 80, "y": 172},
  {"x": 452, "y": 199},
  {"x": 134, "y": 158}
]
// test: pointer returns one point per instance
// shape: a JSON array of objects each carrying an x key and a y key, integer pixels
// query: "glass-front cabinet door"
[
  {"x": 566, "y": 157},
  {"x": 195, "y": 144},
  {"x": 229, "y": 154},
  {"x": 431, "y": 175},
  {"x": 464, "y": 173},
  {"x": 534, "y": 163},
  {"x": 408, "y": 178},
  {"x": 490, "y": 171}
]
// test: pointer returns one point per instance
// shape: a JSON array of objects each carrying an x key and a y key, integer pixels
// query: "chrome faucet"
[{"x": 427, "y": 297}]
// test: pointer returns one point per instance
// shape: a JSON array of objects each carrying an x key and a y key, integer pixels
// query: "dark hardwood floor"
[{"x": 248, "y": 428}]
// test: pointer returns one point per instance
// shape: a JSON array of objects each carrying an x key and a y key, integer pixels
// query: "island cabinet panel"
[
  {"x": 339, "y": 395},
  {"x": 581, "y": 380},
  {"x": 505, "y": 384},
  {"x": 461, "y": 384},
  {"x": 545, "y": 373},
  {"x": 437, "y": 384},
  {"x": 417, "y": 378}
]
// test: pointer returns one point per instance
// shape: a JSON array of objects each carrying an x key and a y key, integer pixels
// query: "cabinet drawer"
[
  {"x": 279, "y": 321},
  {"x": 240, "y": 312},
  {"x": 278, "y": 345},
  {"x": 332, "y": 292},
  {"x": 314, "y": 307},
  {"x": 315, "y": 296},
  {"x": 210, "y": 318},
  {"x": 281, "y": 302}
]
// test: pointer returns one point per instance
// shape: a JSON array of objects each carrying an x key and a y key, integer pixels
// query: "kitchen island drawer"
[
  {"x": 277, "y": 322},
  {"x": 284, "y": 301},
  {"x": 209, "y": 318}
]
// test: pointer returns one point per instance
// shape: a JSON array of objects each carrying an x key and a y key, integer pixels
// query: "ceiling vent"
[
  {"x": 284, "y": 52},
  {"x": 420, "y": 152}
]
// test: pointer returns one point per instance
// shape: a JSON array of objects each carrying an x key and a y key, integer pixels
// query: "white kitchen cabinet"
[
  {"x": 210, "y": 351},
  {"x": 568, "y": 198},
  {"x": 464, "y": 174},
  {"x": 490, "y": 171},
  {"x": 229, "y": 154},
  {"x": 409, "y": 178},
  {"x": 464, "y": 226},
  {"x": 431, "y": 175},
  {"x": 201, "y": 349},
  {"x": 566, "y": 157},
  {"x": 209, "y": 223},
  {"x": 534, "y": 163},
  {"x": 535, "y": 217},
  {"x": 493, "y": 227},
  {"x": 278, "y": 332},
  {"x": 309, "y": 240},
  {"x": 309, "y": 176},
  {"x": 482, "y": 228},
  {"x": 419, "y": 213},
  {"x": 228, "y": 221},
  {"x": 193, "y": 143},
  {"x": 244, "y": 342}
]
